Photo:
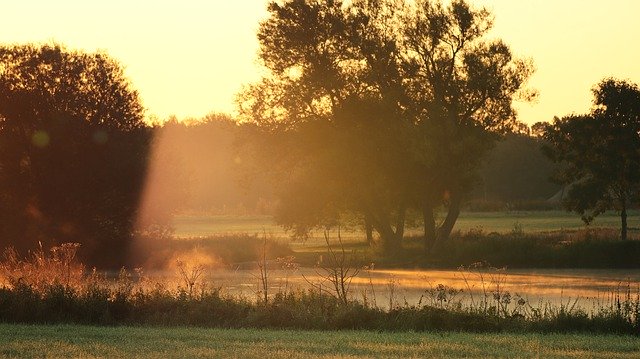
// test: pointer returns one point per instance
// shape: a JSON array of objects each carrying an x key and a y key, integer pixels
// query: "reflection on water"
[{"x": 411, "y": 287}]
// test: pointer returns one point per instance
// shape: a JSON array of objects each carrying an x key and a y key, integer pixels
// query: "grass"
[
  {"x": 545, "y": 239},
  {"x": 501, "y": 222},
  {"x": 61, "y": 341},
  {"x": 517, "y": 239},
  {"x": 583, "y": 249}
]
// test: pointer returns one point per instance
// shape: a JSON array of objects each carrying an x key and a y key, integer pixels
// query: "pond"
[{"x": 384, "y": 288}]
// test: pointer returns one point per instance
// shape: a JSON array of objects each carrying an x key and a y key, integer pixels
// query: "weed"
[{"x": 339, "y": 270}]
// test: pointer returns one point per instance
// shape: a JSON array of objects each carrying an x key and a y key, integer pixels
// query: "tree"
[
  {"x": 73, "y": 153},
  {"x": 516, "y": 170},
  {"x": 601, "y": 150},
  {"x": 326, "y": 114},
  {"x": 380, "y": 106},
  {"x": 462, "y": 87}
]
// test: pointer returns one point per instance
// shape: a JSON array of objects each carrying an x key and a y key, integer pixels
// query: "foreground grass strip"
[{"x": 141, "y": 342}]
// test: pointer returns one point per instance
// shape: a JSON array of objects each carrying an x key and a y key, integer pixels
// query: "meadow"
[
  {"x": 190, "y": 309},
  {"x": 73, "y": 341},
  {"x": 516, "y": 239},
  {"x": 201, "y": 225}
]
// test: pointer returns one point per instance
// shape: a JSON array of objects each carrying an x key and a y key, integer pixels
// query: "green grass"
[
  {"x": 538, "y": 221},
  {"x": 203, "y": 225},
  {"x": 529, "y": 221},
  {"x": 545, "y": 239},
  {"x": 143, "y": 342}
]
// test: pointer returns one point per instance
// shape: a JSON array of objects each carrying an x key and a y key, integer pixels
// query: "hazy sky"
[{"x": 190, "y": 57}]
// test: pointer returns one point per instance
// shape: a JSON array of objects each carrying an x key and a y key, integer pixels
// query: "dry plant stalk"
[
  {"x": 190, "y": 275},
  {"x": 58, "y": 266},
  {"x": 263, "y": 272},
  {"x": 339, "y": 271}
]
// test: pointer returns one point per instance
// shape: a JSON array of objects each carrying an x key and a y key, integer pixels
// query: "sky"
[{"x": 189, "y": 58}]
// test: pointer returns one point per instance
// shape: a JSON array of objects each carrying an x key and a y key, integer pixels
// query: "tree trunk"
[
  {"x": 429, "y": 227},
  {"x": 623, "y": 218},
  {"x": 452, "y": 216},
  {"x": 391, "y": 242},
  {"x": 400, "y": 219},
  {"x": 368, "y": 229}
]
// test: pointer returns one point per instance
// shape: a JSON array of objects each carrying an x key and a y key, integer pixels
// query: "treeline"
[
  {"x": 199, "y": 166},
  {"x": 369, "y": 110},
  {"x": 80, "y": 164},
  {"x": 202, "y": 167},
  {"x": 515, "y": 175}
]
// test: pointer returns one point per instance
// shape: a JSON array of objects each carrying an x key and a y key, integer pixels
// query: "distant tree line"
[{"x": 516, "y": 174}]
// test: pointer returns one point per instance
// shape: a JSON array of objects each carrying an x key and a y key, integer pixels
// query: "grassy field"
[
  {"x": 120, "y": 342},
  {"x": 495, "y": 231},
  {"x": 534, "y": 221}
]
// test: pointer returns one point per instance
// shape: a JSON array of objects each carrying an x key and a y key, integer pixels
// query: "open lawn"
[
  {"x": 502, "y": 222},
  {"x": 118, "y": 342}
]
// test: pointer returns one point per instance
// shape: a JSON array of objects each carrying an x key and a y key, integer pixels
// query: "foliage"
[
  {"x": 73, "y": 150},
  {"x": 515, "y": 171},
  {"x": 59, "y": 266},
  {"x": 375, "y": 107},
  {"x": 564, "y": 249},
  {"x": 602, "y": 152},
  {"x": 592, "y": 248}
]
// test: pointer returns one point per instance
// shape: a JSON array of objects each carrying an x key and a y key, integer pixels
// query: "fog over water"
[{"x": 538, "y": 287}]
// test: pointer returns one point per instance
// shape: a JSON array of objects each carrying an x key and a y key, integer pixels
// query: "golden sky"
[{"x": 190, "y": 57}]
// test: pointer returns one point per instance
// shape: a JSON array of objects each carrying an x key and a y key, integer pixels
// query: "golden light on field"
[{"x": 189, "y": 58}]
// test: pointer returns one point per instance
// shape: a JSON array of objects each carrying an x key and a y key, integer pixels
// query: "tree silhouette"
[
  {"x": 602, "y": 152},
  {"x": 375, "y": 107},
  {"x": 462, "y": 87},
  {"x": 73, "y": 153}
]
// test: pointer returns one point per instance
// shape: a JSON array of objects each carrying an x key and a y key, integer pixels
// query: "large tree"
[
  {"x": 462, "y": 86},
  {"x": 379, "y": 106},
  {"x": 601, "y": 151},
  {"x": 73, "y": 151},
  {"x": 330, "y": 110}
]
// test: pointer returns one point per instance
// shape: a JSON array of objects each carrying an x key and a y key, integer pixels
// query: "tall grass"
[{"x": 51, "y": 287}]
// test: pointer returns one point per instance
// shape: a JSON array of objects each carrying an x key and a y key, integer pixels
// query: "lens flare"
[{"x": 40, "y": 139}]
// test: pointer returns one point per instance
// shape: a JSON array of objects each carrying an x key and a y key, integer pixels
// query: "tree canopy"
[
  {"x": 376, "y": 107},
  {"x": 601, "y": 150},
  {"x": 73, "y": 148}
]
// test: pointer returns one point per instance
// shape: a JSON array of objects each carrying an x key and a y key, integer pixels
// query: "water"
[{"x": 385, "y": 288}]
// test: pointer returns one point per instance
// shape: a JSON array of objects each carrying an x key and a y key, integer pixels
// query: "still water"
[{"x": 385, "y": 288}]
